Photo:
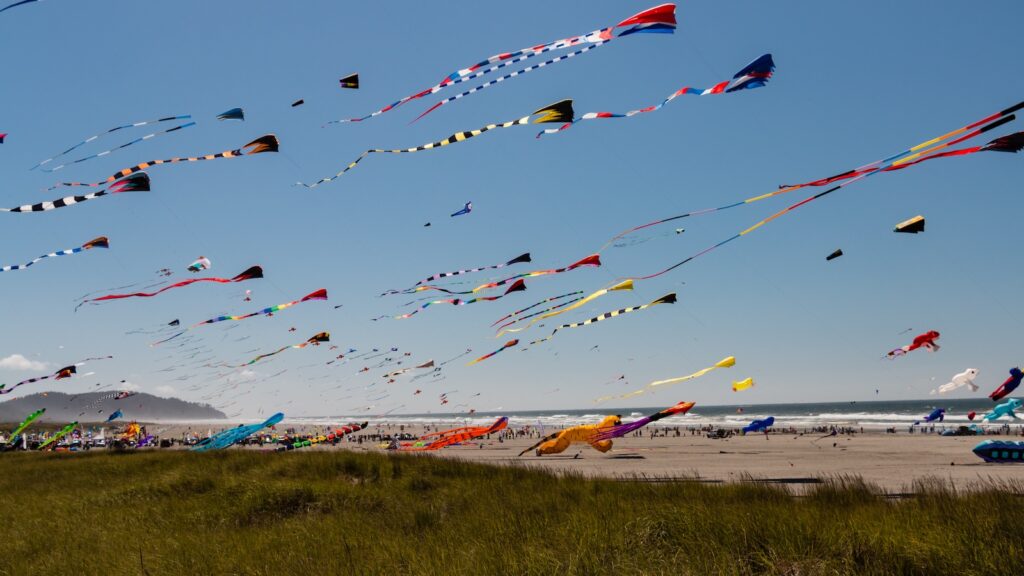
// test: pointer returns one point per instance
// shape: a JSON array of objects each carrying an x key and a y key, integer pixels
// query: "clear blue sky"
[{"x": 855, "y": 82}]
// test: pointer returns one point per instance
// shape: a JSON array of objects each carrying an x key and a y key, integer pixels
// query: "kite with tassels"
[
  {"x": 592, "y": 260},
  {"x": 518, "y": 286},
  {"x": 351, "y": 81},
  {"x": 314, "y": 341},
  {"x": 100, "y": 242},
  {"x": 137, "y": 182},
  {"x": 65, "y": 372},
  {"x": 122, "y": 146},
  {"x": 753, "y": 75},
  {"x": 556, "y": 310},
  {"x": 532, "y": 306},
  {"x": 621, "y": 430},
  {"x": 504, "y": 347},
  {"x": 727, "y": 362},
  {"x": 118, "y": 129},
  {"x": 666, "y": 299},
  {"x": 659, "y": 19},
  {"x": 250, "y": 274},
  {"x": 924, "y": 150},
  {"x": 420, "y": 286},
  {"x": 320, "y": 294},
  {"x": 265, "y": 143},
  {"x": 560, "y": 111}
]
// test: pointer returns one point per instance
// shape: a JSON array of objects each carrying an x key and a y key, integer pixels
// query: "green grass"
[{"x": 327, "y": 513}]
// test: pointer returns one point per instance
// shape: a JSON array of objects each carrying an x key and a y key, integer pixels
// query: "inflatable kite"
[
  {"x": 759, "y": 425},
  {"x": 727, "y": 362},
  {"x": 753, "y": 75},
  {"x": 592, "y": 260},
  {"x": 1005, "y": 409},
  {"x": 100, "y": 242},
  {"x": 912, "y": 226},
  {"x": 517, "y": 286},
  {"x": 659, "y": 19},
  {"x": 137, "y": 182},
  {"x": 560, "y": 111},
  {"x": 232, "y": 436},
  {"x": 117, "y": 414},
  {"x": 25, "y": 424},
  {"x": 334, "y": 436},
  {"x": 936, "y": 414},
  {"x": 1000, "y": 451},
  {"x": 742, "y": 384},
  {"x": 465, "y": 210},
  {"x": 557, "y": 442},
  {"x": 965, "y": 378},
  {"x": 251, "y": 273},
  {"x": 623, "y": 429},
  {"x": 438, "y": 440},
  {"x": 65, "y": 372},
  {"x": 926, "y": 341},
  {"x": 834, "y": 255},
  {"x": 314, "y": 341},
  {"x": 1007, "y": 387},
  {"x": 266, "y": 143},
  {"x": 350, "y": 81},
  {"x": 504, "y": 347},
  {"x": 666, "y": 299},
  {"x": 532, "y": 306},
  {"x": 60, "y": 434},
  {"x": 201, "y": 263},
  {"x": 233, "y": 114}
]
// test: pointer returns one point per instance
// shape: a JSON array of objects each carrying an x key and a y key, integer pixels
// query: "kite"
[
  {"x": 419, "y": 286},
  {"x": 174, "y": 322},
  {"x": 1005, "y": 409},
  {"x": 442, "y": 439},
  {"x": 501, "y": 329},
  {"x": 965, "y": 378},
  {"x": 926, "y": 340},
  {"x": 504, "y": 347},
  {"x": 265, "y": 143},
  {"x": 1000, "y": 451},
  {"x": 666, "y": 299},
  {"x": 834, "y": 255},
  {"x": 60, "y": 434},
  {"x": 298, "y": 102},
  {"x": 574, "y": 304},
  {"x": 592, "y": 260},
  {"x": 2, "y": 136},
  {"x": 137, "y": 182},
  {"x": 727, "y": 362},
  {"x": 560, "y": 111},
  {"x": 912, "y": 226},
  {"x": 465, "y": 210},
  {"x": 742, "y": 384},
  {"x": 320, "y": 294},
  {"x": 905, "y": 157},
  {"x": 760, "y": 425},
  {"x": 314, "y": 340},
  {"x": 1011, "y": 143},
  {"x": 532, "y": 306},
  {"x": 65, "y": 372},
  {"x": 233, "y": 114},
  {"x": 350, "y": 81},
  {"x": 622, "y": 429},
  {"x": 116, "y": 129},
  {"x": 334, "y": 436},
  {"x": 117, "y": 414},
  {"x": 517, "y": 286},
  {"x": 753, "y": 75},
  {"x": 100, "y": 242},
  {"x": 201, "y": 263},
  {"x": 557, "y": 442},
  {"x": 659, "y": 19},
  {"x": 1007, "y": 387},
  {"x": 25, "y": 424},
  {"x": 936, "y": 414},
  {"x": 231, "y": 436},
  {"x": 112, "y": 150},
  {"x": 250, "y": 274},
  {"x": 125, "y": 394}
]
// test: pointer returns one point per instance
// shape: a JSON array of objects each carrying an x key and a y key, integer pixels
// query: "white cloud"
[
  {"x": 19, "y": 362},
  {"x": 165, "y": 389}
]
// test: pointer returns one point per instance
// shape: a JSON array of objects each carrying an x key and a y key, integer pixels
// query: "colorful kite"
[
  {"x": 1000, "y": 451},
  {"x": 532, "y": 306},
  {"x": 727, "y": 362},
  {"x": 60, "y": 434},
  {"x": 112, "y": 150},
  {"x": 252, "y": 273},
  {"x": 621, "y": 430},
  {"x": 741, "y": 385},
  {"x": 117, "y": 414},
  {"x": 231, "y": 436},
  {"x": 753, "y": 75},
  {"x": 465, "y": 210},
  {"x": 926, "y": 340},
  {"x": 65, "y": 372},
  {"x": 657, "y": 19},
  {"x": 233, "y": 114},
  {"x": 938, "y": 414},
  {"x": 592, "y": 260},
  {"x": 137, "y": 182},
  {"x": 1007, "y": 387},
  {"x": 201, "y": 263},
  {"x": 266, "y": 143},
  {"x": 2, "y": 136},
  {"x": 834, "y": 255},
  {"x": 116, "y": 129},
  {"x": 912, "y": 226},
  {"x": 586, "y": 433},
  {"x": 666, "y": 299},
  {"x": 1005, "y": 409},
  {"x": 572, "y": 305},
  {"x": 501, "y": 329},
  {"x": 334, "y": 436},
  {"x": 517, "y": 286},
  {"x": 350, "y": 81},
  {"x": 315, "y": 341},
  {"x": 443, "y": 439},
  {"x": 558, "y": 112},
  {"x": 419, "y": 286},
  {"x": 759, "y": 425},
  {"x": 504, "y": 347},
  {"x": 965, "y": 378},
  {"x": 25, "y": 424},
  {"x": 100, "y": 242}
]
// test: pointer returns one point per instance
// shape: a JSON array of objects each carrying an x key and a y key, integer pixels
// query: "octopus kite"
[{"x": 438, "y": 440}]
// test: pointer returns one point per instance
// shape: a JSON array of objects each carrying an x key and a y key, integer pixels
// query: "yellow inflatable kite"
[{"x": 558, "y": 442}]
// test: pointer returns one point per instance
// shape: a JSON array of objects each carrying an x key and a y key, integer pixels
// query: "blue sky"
[{"x": 855, "y": 82}]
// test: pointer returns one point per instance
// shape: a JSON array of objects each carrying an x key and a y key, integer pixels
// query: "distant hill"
[{"x": 61, "y": 407}]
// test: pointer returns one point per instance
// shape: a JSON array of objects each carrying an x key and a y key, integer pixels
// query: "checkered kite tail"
[
  {"x": 666, "y": 299},
  {"x": 125, "y": 145},
  {"x": 112, "y": 130},
  {"x": 137, "y": 182},
  {"x": 100, "y": 242}
]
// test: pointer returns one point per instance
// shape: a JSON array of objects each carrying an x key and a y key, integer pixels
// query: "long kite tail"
[
  {"x": 560, "y": 111},
  {"x": 504, "y": 347},
  {"x": 666, "y": 299},
  {"x": 522, "y": 258},
  {"x": 115, "y": 129},
  {"x": 753, "y": 75},
  {"x": 250, "y": 274},
  {"x": 265, "y": 143},
  {"x": 592, "y": 260},
  {"x": 138, "y": 182},
  {"x": 578, "y": 302},
  {"x": 623, "y": 429},
  {"x": 315, "y": 340},
  {"x": 518, "y": 286},
  {"x": 100, "y": 242},
  {"x": 122, "y": 146}
]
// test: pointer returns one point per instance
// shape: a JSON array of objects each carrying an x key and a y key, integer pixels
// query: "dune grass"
[{"x": 324, "y": 513}]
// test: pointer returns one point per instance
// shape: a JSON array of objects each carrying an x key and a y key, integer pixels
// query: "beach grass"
[{"x": 262, "y": 513}]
